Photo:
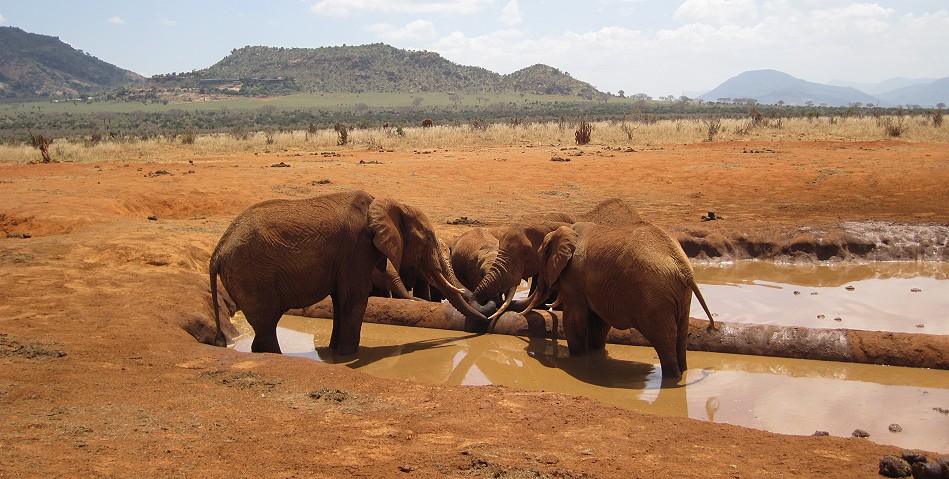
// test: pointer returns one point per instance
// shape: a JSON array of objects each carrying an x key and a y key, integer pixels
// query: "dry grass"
[{"x": 563, "y": 134}]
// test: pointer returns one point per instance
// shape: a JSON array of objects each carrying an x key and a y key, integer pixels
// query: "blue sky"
[{"x": 659, "y": 47}]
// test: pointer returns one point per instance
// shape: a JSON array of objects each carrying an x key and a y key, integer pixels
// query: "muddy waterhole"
[{"x": 906, "y": 407}]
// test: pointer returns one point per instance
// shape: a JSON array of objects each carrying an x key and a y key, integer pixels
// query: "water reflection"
[
  {"x": 789, "y": 396},
  {"x": 898, "y": 297}
]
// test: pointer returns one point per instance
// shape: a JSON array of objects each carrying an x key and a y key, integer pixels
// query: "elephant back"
[{"x": 612, "y": 212}]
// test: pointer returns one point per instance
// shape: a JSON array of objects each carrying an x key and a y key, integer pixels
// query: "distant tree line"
[{"x": 15, "y": 123}]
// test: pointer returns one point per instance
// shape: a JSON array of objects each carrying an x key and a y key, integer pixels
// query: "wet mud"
[{"x": 853, "y": 240}]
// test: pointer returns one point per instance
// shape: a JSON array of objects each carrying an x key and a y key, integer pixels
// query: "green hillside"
[
  {"x": 38, "y": 66},
  {"x": 257, "y": 70}
]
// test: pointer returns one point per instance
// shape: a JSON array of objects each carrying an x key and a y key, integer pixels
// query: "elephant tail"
[
  {"x": 214, "y": 269},
  {"x": 698, "y": 294}
]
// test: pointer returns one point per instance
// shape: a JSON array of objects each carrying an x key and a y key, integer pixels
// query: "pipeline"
[{"x": 844, "y": 345}]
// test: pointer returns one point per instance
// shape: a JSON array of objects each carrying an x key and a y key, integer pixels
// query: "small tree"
[
  {"x": 41, "y": 143},
  {"x": 583, "y": 132},
  {"x": 342, "y": 132},
  {"x": 712, "y": 127}
]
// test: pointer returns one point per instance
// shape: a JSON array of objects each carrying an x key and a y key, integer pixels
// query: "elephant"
[
  {"x": 517, "y": 258},
  {"x": 471, "y": 255},
  {"x": 283, "y": 254},
  {"x": 625, "y": 277}
]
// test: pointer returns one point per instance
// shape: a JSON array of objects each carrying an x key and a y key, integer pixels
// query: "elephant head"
[
  {"x": 472, "y": 253},
  {"x": 516, "y": 258},
  {"x": 554, "y": 254},
  {"x": 405, "y": 236}
]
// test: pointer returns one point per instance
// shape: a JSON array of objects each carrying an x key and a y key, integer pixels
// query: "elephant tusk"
[
  {"x": 503, "y": 308},
  {"x": 534, "y": 300},
  {"x": 557, "y": 303},
  {"x": 440, "y": 280}
]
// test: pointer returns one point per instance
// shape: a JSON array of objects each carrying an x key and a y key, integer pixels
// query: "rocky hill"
[
  {"x": 376, "y": 67},
  {"x": 37, "y": 66}
]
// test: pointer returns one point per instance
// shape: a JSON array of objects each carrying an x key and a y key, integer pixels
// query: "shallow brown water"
[
  {"x": 781, "y": 395},
  {"x": 878, "y": 296}
]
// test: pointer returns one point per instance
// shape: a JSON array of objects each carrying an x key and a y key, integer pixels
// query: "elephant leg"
[
  {"x": 667, "y": 347},
  {"x": 265, "y": 330},
  {"x": 669, "y": 362},
  {"x": 682, "y": 339},
  {"x": 662, "y": 332},
  {"x": 348, "y": 313},
  {"x": 598, "y": 331},
  {"x": 576, "y": 327}
]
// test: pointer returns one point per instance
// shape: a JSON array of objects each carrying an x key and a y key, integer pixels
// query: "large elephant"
[
  {"x": 517, "y": 258},
  {"x": 623, "y": 277},
  {"x": 284, "y": 254}
]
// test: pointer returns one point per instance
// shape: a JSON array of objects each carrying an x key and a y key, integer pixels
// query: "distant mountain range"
[
  {"x": 40, "y": 66},
  {"x": 774, "y": 87},
  {"x": 33, "y": 65}
]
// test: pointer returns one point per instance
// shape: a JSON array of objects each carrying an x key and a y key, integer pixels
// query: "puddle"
[
  {"x": 789, "y": 396},
  {"x": 781, "y": 395},
  {"x": 879, "y": 296}
]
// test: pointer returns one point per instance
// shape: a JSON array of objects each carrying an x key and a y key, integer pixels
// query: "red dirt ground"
[{"x": 101, "y": 375}]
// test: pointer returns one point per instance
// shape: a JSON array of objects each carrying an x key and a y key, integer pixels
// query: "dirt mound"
[{"x": 873, "y": 241}]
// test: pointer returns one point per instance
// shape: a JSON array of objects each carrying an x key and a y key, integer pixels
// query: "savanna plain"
[{"x": 105, "y": 305}]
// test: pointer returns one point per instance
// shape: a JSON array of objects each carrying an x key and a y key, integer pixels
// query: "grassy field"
[
  {"x": 340, "y": 101},
  {"x": 605, "y": 134}
]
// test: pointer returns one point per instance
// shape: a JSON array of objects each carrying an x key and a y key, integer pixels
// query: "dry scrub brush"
[{"x": 921, "y": 128}]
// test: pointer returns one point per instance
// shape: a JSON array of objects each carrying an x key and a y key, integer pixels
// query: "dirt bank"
[{"x": 100, "y": 374}]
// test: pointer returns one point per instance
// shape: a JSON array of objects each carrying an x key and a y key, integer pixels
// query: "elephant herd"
[{"x": 608, "y": 268}]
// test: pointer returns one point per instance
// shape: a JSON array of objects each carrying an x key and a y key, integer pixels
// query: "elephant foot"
[
  {"x": 671, "y": 373},
  {"x": 345, "y": 350},
  {"x": 265, "y": 344}
]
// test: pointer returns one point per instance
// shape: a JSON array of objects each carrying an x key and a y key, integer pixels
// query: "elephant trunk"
[
  {"x": 451, "y": 287},
  {"x": 395, "y": 284},
  {"x": 456, "y": 298},
  {"x": 500, "y": 278}
]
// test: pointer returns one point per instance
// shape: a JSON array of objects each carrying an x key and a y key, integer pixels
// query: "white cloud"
[
  {"x": 167, "y": 22},
  {"x": 511, "y": 14},
  {"x": 718, "y": 12},
  {"x": 417, "y": 30},
  {"x": 3, "y": 21},
  {"x": 343, "y": 8},
  {"x": 117, "y": 20}
]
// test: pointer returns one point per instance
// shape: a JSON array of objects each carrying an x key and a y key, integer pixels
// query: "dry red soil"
[{"x": 102, "y": 312}]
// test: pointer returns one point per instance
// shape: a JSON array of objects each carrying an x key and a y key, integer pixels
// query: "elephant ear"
[
  {"x": 385, "y": 218},
  {"x": 560, "y": 248}
]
